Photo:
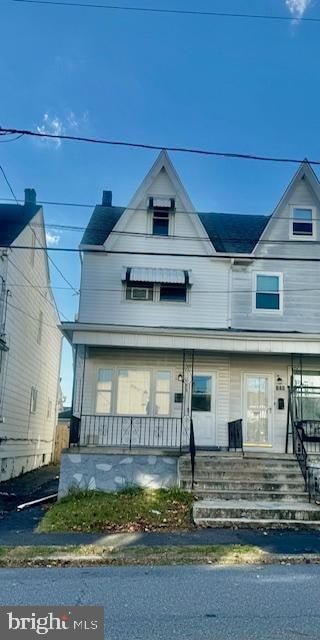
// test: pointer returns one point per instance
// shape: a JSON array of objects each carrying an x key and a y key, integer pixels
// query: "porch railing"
[
  {"x": 133, "y": 431},
  {"x": 304, "y": 414}
]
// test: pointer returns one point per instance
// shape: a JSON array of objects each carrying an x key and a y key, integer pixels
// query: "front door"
[
  {"x": 203, "y": 409},
  {"x": 258, "y": 410}
]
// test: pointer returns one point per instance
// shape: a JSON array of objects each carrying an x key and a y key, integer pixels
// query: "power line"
[
  {"x": 156, "y": 10},
  {"x": 8, "y": 183},
  {"x": 57, "y": 225},
  {"x": 138, "y": 145},
  {"x": 43, "y": 247},
  {"x": 52, "y": 326},
  {"x": 12, "y": 139},
  {"x": 221, "y": 255},
  {"x": 215, "y": 291}
]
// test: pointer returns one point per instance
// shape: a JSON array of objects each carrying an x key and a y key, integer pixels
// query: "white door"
[
  {"x": 258, "y": 410},
  {"x": 203, "y": 409}
]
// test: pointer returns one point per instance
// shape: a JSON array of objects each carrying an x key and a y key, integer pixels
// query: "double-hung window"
[
  {"x": 303, "y": 222},
  {"x": 33, "y": 400},
  {"x": 104, "y": 390},
  {"x": 268, "y": 292},
  {"x": 162, "y": 210}
]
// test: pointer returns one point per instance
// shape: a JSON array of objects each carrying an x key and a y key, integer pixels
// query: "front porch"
[{"x": 147, "y": 397}]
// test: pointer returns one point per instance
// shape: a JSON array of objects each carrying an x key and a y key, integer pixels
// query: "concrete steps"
[
  {"x": 258, "y": 490},
  {"x": 242, "y": 513}
]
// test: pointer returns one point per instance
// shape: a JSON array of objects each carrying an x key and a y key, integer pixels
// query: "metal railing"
[
  {"x": 235, "y": 436},
  {"x": 133, "y": 431},
  {"x": 304, "y": 414}
]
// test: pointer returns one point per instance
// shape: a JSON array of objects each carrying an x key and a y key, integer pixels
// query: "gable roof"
[
  {"x": 230, "y": 232},
  {"x": 101, "y": 223},
  {"x": 13, "y": 219}
]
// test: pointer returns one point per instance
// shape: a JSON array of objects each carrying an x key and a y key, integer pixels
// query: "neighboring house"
[
  {"x": 30, "y": 341},
  {"x": 231, "y": 322}
]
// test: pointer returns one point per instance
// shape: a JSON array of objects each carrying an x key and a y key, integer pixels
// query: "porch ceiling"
[{"x": 197, "y": 339}]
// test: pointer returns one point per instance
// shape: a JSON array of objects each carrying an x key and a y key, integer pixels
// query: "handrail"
[
  {"x": 192, "y": 449},
  {"x": 301, "y": 455}
]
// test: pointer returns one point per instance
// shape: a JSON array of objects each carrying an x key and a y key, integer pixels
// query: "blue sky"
[{"x": 224, "y": 84}]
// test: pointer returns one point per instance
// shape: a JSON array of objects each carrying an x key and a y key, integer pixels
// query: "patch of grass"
[
  {"x": 132, "y": 509},
  {"x": 98, "y": 555}
]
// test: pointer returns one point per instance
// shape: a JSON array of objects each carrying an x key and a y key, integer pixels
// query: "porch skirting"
[{"x": 89, "y": 469}]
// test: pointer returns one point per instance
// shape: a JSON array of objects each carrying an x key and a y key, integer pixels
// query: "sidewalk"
[{"x": 17, "y": 529}]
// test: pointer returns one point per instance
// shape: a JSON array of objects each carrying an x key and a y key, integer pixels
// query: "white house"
[
  {"x": 30, "y": 341},
  {"x": 190, "y": 315}
]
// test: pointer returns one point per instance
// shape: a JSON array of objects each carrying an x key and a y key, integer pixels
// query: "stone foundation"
[{"x": 85, "y": 469}]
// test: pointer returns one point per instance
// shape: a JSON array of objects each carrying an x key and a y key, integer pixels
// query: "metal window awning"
[{"x": 149, "y": 274}]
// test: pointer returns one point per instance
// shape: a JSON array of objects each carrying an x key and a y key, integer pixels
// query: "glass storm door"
[
  {"x": 258, "y": 410},
  {"x": 203, "y": 409}
]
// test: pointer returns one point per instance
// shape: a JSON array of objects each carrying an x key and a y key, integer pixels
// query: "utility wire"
[
  {"x": 120, "y": 143},
  {"x": 42, "y": 247},
  {"x": 215, "y": 291},
  {"x": 12, "y": 139},
  {"x": 221, "y": 255},
  {"x": 157, "y": 10},
  {"x": 267, "y": 216}
]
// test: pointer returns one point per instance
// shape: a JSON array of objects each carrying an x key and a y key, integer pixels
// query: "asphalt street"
[{"x": 197, "y": 603}]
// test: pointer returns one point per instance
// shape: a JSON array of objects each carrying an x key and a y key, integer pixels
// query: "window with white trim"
[
  {"x": 33, "y": 247},
  {"x": 33, "y": 400},
  {"x": 40, "y": 327},
  {"x": 162, "y": 210},
  {"x": 302, "y": 222},
  {"x": 134, "y": 387},
  {"x": 104, "y": 391},
  {"x": 162, "y": 393},
  {"x": 49, "y": 409},
  {"x": 268, "y": 292}
]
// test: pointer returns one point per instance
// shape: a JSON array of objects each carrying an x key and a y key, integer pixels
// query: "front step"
[
  {"x": 252, "y": 491},
  {"x": 249, "y": 523},
  {"x": 239, "y": 485},
  {"x": 213, "y": 513},
  {"x": 278, "y": 496}
]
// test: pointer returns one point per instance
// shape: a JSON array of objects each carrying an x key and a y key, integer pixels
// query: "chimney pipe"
[
  {"x": 30, "y": 196},
  {"x": 107, "y": 198}
]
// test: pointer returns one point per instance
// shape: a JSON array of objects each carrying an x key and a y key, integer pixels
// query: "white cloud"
[
  {"x": 51, "y": 125},
  {"x": 52, "y": 238},
  {"x": 297, "y": 7},
  {"x": 58, "y": 126}
]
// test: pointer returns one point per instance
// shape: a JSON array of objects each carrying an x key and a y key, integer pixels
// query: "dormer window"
[
  {"x": 161, "y": 210},
  {"x": 302, "y": 223}
]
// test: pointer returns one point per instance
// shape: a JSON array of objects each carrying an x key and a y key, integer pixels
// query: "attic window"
[
  {"x": 302, "y": 222},
  {"x": 162, "y": 210}
]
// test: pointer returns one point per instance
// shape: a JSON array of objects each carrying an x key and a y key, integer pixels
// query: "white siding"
[
  {"x": 103, "y": 297},
  {"x": 120, "y": 358},
  {"x": 29, "y": 364}
]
